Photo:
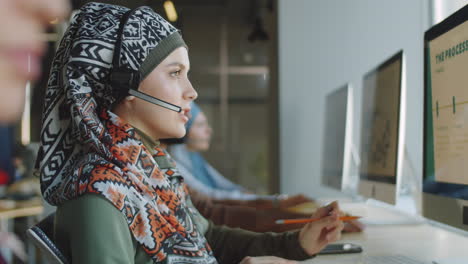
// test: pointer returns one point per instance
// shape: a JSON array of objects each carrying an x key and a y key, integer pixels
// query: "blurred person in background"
[
  {"x": 222, "y": 201},
  {"x": 22, "y": 23},
  {"x": 203, "y": 178},
  {"x": 24, "y": 185}
]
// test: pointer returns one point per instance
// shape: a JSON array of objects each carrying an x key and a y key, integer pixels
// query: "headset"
[{"x": 126, "y": 81}]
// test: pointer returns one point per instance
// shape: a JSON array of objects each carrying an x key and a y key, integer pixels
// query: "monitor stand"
[{"x": 409, "y": 191}]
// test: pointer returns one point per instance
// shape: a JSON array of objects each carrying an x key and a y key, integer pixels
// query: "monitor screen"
[
  {"x": 334, "y": 134},
  {"x": 445, "y": 181},
  {"x": 380, "y": 120}
]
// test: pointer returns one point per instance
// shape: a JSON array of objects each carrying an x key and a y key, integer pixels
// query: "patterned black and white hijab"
[{"x": 85, "y": 148}]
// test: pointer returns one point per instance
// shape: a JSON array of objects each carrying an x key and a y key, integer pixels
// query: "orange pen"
[{"x": 309, "y": 220}]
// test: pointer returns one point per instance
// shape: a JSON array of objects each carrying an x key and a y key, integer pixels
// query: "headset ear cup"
[{"x": 122, "y": 80}]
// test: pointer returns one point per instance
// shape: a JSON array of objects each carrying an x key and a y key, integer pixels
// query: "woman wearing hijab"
[
  {"x": 97, "y": 159},
  {"x": 198, "y": 173},
  {"x": 222, "y": 201},
  {"x": 203, "y": 178}
]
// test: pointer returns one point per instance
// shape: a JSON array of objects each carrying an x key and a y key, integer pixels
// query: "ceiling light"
[{"x": 170, "y": 11}]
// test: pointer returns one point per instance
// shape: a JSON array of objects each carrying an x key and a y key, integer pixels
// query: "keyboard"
[{"x": 392, "y": 259}]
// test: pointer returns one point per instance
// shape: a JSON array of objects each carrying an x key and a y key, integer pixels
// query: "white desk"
[{"x": 421, "y": 241}]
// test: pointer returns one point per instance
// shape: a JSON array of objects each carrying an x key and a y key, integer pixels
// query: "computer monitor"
[
  {"x": 445, "y": 167},
  {"x": 336, "y": 149},
  {"x": 380, "y": 130}
]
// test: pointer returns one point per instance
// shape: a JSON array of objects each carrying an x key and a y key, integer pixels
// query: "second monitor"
[{"x": 380, "y": 125}]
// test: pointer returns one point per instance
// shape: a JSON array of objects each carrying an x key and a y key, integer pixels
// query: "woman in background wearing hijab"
[
  {"x": 203, "y": 178},
  {"x": 97, "y": 159},
  {"x": 222, "y": 201}
]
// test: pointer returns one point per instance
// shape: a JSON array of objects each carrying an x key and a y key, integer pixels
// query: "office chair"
[{"x": 42, "y": 236}]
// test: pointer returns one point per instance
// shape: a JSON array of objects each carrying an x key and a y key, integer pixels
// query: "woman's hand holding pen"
[{"x": 314, "y": 236}]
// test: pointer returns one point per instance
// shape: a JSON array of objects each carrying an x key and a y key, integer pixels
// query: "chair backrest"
[{"x": 42, "y": 236}]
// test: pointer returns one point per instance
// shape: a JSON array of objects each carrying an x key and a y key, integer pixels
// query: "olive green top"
[{"x": 91, "y": 230}]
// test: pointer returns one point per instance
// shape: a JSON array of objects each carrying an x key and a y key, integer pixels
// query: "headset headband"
[{"x": 126, "y": 81}]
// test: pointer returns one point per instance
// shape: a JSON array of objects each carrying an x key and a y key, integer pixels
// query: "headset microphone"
[
  {"x": 155, "y": 100},
  {"x": 126, "y": 81}
]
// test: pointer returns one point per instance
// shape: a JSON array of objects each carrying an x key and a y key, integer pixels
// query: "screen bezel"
[
  {"x": 451, "y": 211},
  {"x": 346, "y": 88},
  {"x": 458, "y": 18},
  {"x": 375, "y": 177}
]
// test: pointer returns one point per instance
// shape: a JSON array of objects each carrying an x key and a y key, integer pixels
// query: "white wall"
[
  {"x": 441, "y": 9},
  {"x": 324, "y": 44}
]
